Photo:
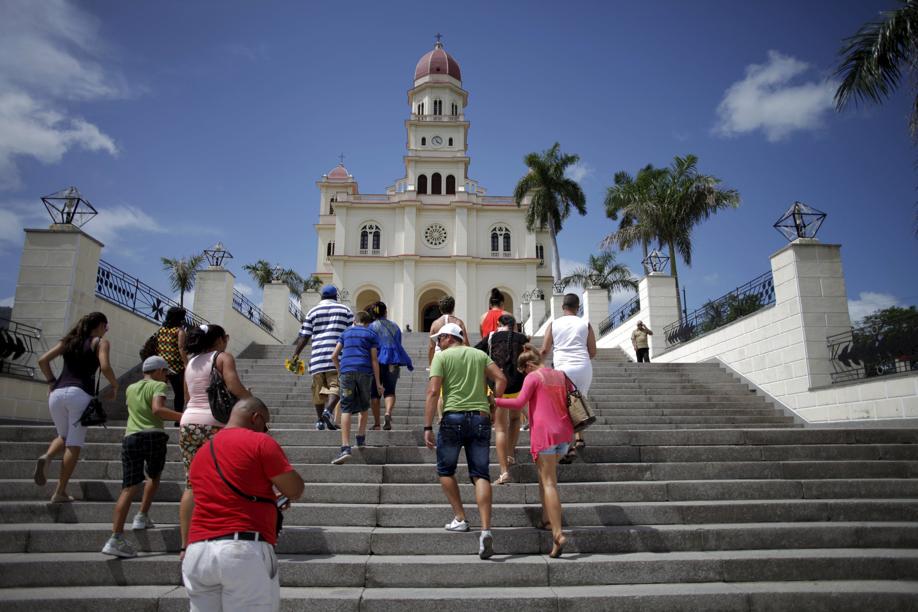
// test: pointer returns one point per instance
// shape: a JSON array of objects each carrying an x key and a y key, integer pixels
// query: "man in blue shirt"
[{"x": 356, "y": 357}]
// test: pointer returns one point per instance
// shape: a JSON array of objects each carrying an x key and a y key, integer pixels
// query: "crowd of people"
[{"x": 236, "y": 488}]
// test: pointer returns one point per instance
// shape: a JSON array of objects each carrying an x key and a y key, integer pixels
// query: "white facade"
[{"x": 434, "y": 232}]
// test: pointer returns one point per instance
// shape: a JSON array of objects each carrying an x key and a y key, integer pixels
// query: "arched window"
[
  {"x": 450, "y": 184},
  {"x": 422, "y": 184},
  {"x": 370, "y": 236},
  {"x": 421, "y": 108},
  {"x": 500, "y": 241},
  {"x": 454, "y": 109},
  {"x": 331, "y": 205},
  {"x": 423, "y": 141},
  {"x": 438, "y": 107},
  {"x": 436, "y": 184},
  {"x": 540, "y": 254},
  {"x": 450, "y": 142},
  {"x": 329, "y": 249}
]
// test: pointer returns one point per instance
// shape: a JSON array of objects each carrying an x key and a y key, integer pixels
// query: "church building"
[{"x": 434, "y": 232}]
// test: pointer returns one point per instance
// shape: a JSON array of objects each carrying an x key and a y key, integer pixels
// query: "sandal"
[
  {"x": 544, "y": 526},
  {"x": 511, "y": 460},
  {"x": 504, "y": 479},
  {"x": 558, "y": 547},
  {"x": 388, "y": 423},
  {"x": 579, "y": 445},
  {"x": 569, "y": 456},
  {"x": 375, "y": 427},
  {"x": 61, "y": 499}
]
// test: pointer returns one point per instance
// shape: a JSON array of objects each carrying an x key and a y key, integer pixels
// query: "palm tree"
[
  {"x": 677, "y": 198},
  {"x": 182, "y": 271},
  {"x": 553, "y": 195},
  {"x": 313, "y": 283},
  {"x": 293, "y": 281},
  {"x": 604, "y": 272},
  {"x": 261, "y": 272},
  {"x": 626, "y": 197},
  {"x": 874, "y": 59}
]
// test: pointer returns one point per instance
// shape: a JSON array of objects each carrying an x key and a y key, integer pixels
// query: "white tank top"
[
  {"x": 569, "y": 335},
  {"x": 437, "y": 344}
]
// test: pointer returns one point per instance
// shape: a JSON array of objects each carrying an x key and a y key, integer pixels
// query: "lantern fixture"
[
  {"x": 656, "y": 261},
  {"x": 800, "y": 221},
  {"x": 69, "y": 207},
  {"x": 558, "y": 287},
  {"x": 216, "y": 254}
]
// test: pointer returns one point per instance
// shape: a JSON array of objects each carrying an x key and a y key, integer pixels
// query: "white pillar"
[
  {"x": 536, "y": 314},
  {"x": 308, "y": 300},
  {"x": 213, "y": 295},
  {"x": 276, "y": 300},
  {"x": 658, "y": 307},
  {"x": 595, "y": 307},
  {"x": 57, "y": 279},
  {"x": 556, "y": 311},
  {"x": 808, "y": 277}
]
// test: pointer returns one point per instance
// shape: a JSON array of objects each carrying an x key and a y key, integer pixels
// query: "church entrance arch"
[
  {"x": 428, "y": 307},
  {"x": 365, "y": 298}
]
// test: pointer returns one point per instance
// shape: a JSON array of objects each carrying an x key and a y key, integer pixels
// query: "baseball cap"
[
  {"x": 450, "y": 328},
  {"x": 329, "y": 291},
  {"x": 151, "y": 364}
]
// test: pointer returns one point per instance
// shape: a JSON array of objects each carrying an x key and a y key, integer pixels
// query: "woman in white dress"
[{"x": 572, "y": 343}]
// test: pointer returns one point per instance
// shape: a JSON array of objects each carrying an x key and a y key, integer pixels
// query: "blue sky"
[{"x": 187, "y": 123}]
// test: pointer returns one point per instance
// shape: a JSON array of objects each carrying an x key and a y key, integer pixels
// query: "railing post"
[
  {"x": 658, "y": 307},
  {"x": 213, "y": 296}
]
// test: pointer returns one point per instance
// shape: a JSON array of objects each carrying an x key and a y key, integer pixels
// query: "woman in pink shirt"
[{"x": 550, "y": 432}]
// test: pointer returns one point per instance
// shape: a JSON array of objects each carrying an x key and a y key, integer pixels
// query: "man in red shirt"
[{"x": 230, "y": 562}]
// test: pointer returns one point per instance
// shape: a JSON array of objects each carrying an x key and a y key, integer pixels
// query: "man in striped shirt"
[{"x": 324, "y": 324}]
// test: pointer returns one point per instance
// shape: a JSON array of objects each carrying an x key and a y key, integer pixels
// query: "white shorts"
[
  {"x": 230, "y": 575},
  {"x": 66, "y": 406}
]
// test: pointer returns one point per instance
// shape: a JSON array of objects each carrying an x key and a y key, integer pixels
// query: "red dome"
[
  {"x": 437, "y": 61},
  {"x": 339, "y": 173}
]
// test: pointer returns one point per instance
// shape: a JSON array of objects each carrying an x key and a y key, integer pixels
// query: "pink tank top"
[{"x": 197, "y": 378}]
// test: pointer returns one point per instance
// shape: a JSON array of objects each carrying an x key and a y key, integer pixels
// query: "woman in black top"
[{"x": 84, "y": 351}]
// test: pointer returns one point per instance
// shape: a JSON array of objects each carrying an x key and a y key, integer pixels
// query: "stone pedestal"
[
  {"x": 536, "y": 314},
  {"x": 276, "y": 305},
  {"x": 213, "y": 295},
  {"x": 308, "y": 299},
  {"x": 556, "y": 311},
  {"x": 595, "y": 307},
  {"x": 57, "y": 279},
  {"x": 659, "y": 307}
]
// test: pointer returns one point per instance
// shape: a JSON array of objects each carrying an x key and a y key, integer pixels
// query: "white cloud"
[
  {"x": 245, "y": 289},
  {"x": 48, "y": 56},
  {"x": 579, "y": 171},
  {"x": 868, "y": 303},
  {"x": 711, "y": 279},
  {"x": 111, "y": 225},
  {"x": 766, "y": 100},
  {"x": 7, "y": 302},
  {"x": 10, "y": 228}
]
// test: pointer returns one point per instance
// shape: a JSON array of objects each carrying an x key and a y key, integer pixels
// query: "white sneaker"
[
  {"x": 117, "y": 546},
  {"x": 457, "y": 525},
  {"x": 142, "y": 521},
  {"x": 486, "y": 545}
]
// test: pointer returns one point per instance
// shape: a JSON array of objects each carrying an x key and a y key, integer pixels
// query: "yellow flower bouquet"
[{"x": 296, "y": 366}]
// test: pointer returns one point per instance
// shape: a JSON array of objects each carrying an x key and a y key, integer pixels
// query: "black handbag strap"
[{"x": 236, "y": 490}]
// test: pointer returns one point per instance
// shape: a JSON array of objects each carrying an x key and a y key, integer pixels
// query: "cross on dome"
[{"x": 437, "y": 62}]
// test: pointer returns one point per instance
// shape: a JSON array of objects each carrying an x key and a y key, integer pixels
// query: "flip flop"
[
  {"x": 504, "y": 479},
  {"x": 61, "y": 499},
  {"x": 39, "y": 475}
]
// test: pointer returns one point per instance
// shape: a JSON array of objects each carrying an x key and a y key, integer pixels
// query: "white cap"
[
  {"x": 151, "y": 364},
  {"x": 449, "y": 328}
]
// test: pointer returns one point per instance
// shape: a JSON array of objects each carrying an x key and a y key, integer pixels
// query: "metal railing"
[
  {"x": 416, "y": 117},
  {"x": 620, "y": 315},
  {"x": 744, "y": 300},
  {"x": 875, "y": 349},
  {"x": 296, "y": 311},
  {"x": 122, "y": 289},
  {"x": 250, "y": 311},
  {"x": 16, "y": 345}
]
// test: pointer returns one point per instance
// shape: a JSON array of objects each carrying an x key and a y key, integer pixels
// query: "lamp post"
[
  {"x": 276, "y": 273},
  {"x": 69, "y": 207},
  {"x": 216, "y": 254},
  {"x": 656, "y": 261},
  {"x": 800, "y": 221},
  {"x": 558, "y": 287}
]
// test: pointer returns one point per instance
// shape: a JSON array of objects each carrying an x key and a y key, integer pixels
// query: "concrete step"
[
  {"x": 835, "y": 595},
  {"x": 84, "y": 569},
  {"x": 516, "y": 515},
  {"x": 35, "y": 537},
  {"x": 521, "y": 492}
]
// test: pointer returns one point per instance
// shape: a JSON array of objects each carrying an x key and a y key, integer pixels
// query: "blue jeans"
[{"x": 468, "y": 430}]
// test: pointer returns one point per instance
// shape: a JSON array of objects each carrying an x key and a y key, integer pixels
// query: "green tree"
[
  {"x": 553, "y": 195},
  {"x": 261, "y": 272},
  {"x": 626, "y": 198},
  {"x": 293, "y": 281},
  {"x": 313, "y": 283},
  {"x": 182, "y": 271},
  {"x": 676, "y": 199},
  {"x": 604, "y": 272},
  {"x": 875, "y": 58}
]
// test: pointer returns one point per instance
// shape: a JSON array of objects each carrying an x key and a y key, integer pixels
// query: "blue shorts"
[
  {"x": 355, "y": 391},
  {"x": 557, "y": 449},
  {"x": 388, "y": 376},
  {"x": 468, "y": 430}
]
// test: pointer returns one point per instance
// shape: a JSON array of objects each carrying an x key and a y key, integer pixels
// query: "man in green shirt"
[
  {"x": 460, "y": 372},
  {"x": 144, "y": 443}
]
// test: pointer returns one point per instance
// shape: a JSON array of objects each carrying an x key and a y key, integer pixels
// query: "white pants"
[
  {"x": 230, "y": 575},
  {"x": 581, "y": 375},
  {"x": 66, "y": 406}
]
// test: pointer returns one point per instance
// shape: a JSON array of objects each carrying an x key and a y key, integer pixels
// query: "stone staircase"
[{"x": 693, "y": 493}]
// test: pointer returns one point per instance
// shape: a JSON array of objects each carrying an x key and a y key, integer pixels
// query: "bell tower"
[{"x": 437, "y": 161}]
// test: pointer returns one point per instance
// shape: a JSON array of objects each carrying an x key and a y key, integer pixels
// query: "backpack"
[{"x": 504, "y": 352}]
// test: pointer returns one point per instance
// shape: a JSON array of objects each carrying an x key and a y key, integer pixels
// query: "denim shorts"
[
  {"x": 557, "y": 449},
  {"x": 468, "y": 430},
  {"x": 388, "y": 376},
  {"x": 355, "y": 391}
]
